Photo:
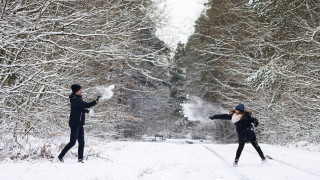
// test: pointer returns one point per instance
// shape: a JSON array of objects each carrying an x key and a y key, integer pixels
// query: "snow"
[
  {"x": 104, "y": 91},
  {"x": 170, "y": 159},
  {"x": 306, "y": 146},
  {"x": 196, "y": 109},
  {"x": 181, "y": 17}
]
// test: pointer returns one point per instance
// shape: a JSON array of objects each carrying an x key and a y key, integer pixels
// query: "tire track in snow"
[
  {"x": 288, "y": 164},
  {"x": 238, "y": 174}
]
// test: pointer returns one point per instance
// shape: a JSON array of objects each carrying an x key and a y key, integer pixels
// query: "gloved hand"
[
  {"x": 98, "y": 98},
  {"x": 212, "y": 117},
  {"x": 91, "y": 112},
  {"x": 256, "y": 123}
]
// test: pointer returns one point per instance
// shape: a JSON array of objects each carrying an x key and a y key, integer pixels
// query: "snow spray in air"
[
  {"x": 105, "y": 92},
  {"x": 196, "y": 109}
]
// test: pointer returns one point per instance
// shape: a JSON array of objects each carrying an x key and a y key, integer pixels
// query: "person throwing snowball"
[
  {"x": 243, "y": 121},
  {"x": 76, "y": 121}
]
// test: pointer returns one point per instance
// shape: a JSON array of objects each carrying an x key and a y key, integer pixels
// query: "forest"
[{"x": 263, "y": 53}]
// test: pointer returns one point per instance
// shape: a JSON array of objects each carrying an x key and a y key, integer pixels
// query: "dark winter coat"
[
  {"x": 244, "y": 127},
  {"x": 78, "y": 110}
]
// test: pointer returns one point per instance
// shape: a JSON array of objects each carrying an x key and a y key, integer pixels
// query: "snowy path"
[
  {"x": 227, "y": 164},
  {"x": 249, "y": 167},
  {"x": 172, "y": 160}
]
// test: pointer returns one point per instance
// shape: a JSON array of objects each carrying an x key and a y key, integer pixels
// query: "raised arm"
[
  {"x": 82, "y": 104},
  {"x": 221, "y": 116},
  {"x": 89, "y": 104}
]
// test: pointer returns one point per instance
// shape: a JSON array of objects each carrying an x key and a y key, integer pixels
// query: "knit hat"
[
  {"x": 240, "y": 107},
  {"x": 75, "y": 88}
]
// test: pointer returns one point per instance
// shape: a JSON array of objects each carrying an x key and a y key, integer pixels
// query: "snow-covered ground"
[{"x": 170, "y": 160}]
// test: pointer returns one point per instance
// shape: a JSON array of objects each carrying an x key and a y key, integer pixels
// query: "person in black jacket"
[
  {"x": 243, "y": 121},
  {"x": 76, "y": 121}
]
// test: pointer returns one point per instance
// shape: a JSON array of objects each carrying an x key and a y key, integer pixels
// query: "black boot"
[
  {"x": 264, "y": 160},
  {"x": 60, "y": 159},
  {"x": 235, "y": 164}
]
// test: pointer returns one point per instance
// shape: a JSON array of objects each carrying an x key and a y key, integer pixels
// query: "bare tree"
[
  {"x": 46, "y": 45},
  {"x": 263, "y": 54}
]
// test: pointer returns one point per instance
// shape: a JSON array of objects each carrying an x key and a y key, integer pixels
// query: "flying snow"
[
  {"x": 196, "y": 109},
  {"x": 106, "y": 92}
]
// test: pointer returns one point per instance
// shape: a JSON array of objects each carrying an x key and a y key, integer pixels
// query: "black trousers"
[
  {"x": 77, "y": 133},
  {"x": 254, "y": 144}
]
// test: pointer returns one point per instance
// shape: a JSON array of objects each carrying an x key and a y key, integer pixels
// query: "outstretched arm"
[
  {"x": 89, "y": 104},
  {"x": 82, "y": 104},
  {"x": 221, "y": 116}
]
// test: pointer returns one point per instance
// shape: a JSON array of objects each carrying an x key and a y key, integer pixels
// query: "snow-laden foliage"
[
  {"x": 267, "y": 77},
  {"x": 47, "y": 45},
  {"x": 265, "y": 54}
]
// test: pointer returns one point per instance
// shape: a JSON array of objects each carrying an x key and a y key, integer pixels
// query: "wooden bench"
[{"x": 158, "y": 136}]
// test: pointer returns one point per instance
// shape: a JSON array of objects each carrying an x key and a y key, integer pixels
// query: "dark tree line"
[
  {"x": 46, "y": 45},
  {"x": 265, "y": 54},
  {"x": 262, "y": 53}
]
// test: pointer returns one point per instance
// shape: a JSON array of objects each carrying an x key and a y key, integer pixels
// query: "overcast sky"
[{"x": 181, "y": 15}]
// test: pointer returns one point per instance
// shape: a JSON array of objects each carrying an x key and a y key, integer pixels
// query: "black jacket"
[
  {"x": 78, "y": 110},
  {"x": 244, "y": 126}
]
